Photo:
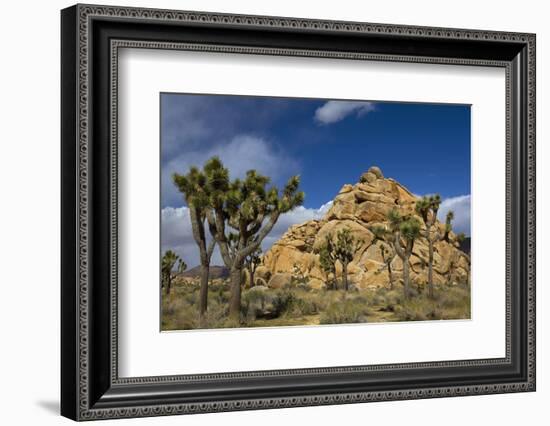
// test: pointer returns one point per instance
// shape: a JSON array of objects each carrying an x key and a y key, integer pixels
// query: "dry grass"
[
  {"x": 346, "y": 309},
  {"x": 301, "y": 305},
  {"x": 449, "y": 302}
]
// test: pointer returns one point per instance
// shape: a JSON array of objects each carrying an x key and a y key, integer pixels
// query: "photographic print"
[{"x": 308, "y": 212}]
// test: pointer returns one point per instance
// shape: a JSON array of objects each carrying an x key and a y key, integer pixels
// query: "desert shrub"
[
  {"x": 218, "y": 286},
  {"x": 454, "y": 301},
  {"x": 172, "y": 306},
  {"x": 378, "y": 297},
  {"x": 347, "y": 311},
  {"x": 253, "y": 303},
  {"x": 215, "y": 316},
  {"x": 178, "y": 314},
  {"x": 358, "y": 298},
  {"x": 255, "y": 295},
  {"x": 187, "y": 319},
  {"x": 387, "y": 299},
  {"x": 418, "y": 309},
  {"x": 219, "y": 295},
  {"x": 191, "y": 297},
  {"x": 450, "y": 302},
  {"x": 303, "y": 303},
  {"x": 262, "y": 306},
  {"x": 303, "y": 286},
  {"x": 451, "y": 295},
  {"x": 283, "y": 301}
]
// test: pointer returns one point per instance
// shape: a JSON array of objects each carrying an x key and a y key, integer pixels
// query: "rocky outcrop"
[{"x": 359, "y": 208}]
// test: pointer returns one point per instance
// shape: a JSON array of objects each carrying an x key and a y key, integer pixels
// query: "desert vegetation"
[
  {"x": 379, "y": 255},
  {"x": 300, "y": 305}
]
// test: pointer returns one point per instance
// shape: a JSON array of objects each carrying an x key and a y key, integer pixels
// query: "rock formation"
[{"x": 361, "y": 207}]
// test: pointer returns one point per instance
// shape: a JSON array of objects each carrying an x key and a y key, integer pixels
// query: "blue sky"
[{"x": 426, "y": 147}]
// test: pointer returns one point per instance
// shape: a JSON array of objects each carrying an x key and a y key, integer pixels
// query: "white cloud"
[
  {"x": 176, "y": 231},
  {"x": 461, "y": 206},
  {"x": 240, "y": 154},
  {"x": 176, "y": 234},
  {"x": 333, "y": 111},
  {"x": 176, "y": 227}
]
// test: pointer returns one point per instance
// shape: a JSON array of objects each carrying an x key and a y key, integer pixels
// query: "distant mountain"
[
  {"x": 465, "y": 245},
  {"x": 215, "y": 272}
]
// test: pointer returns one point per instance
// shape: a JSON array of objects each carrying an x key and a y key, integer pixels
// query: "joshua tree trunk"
[
  {"x": 328, "y": 282},
  {"x": 235, "y": 261},
  {"x": 390, "y": 275},
  {"x": 431, "y": 239},
  {"x": 197, "y": 227},
  {"x": 428, "y": 207},
  {"x": 430, "y": 268},
  {"x": 168, "y": 282},
  {"x": 405, "y": 231},
  {"x": 206, "y": 255},
  {"x": 203, "y": 295},
  {"x": 404, "y": 255},
  {"x": 235, "y": 300},
  {"x": 345, "y": 275},
  {"x": 251, "y": 272},
  {"x": 406, "y": 277}
]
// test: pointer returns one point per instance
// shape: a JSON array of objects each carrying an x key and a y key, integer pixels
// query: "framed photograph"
[{"x": 263, "y": 212}]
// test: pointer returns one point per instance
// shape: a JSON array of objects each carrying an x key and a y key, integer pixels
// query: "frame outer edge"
[
  {"x": 83, "y": 12},
  {"x": 531, "y": 200},
  {"x": 69, "y": 191}
]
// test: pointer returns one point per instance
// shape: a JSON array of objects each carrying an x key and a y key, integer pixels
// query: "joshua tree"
[
  {"x": 248, "y": 207},
  {"x": 345, "y": 248},
  {"x": 448, "y": 226},
  {"x": 298, "y": 275},
  {"x": 327, "y": 260},
  {"x": 405, "y": 230},
  {"x": 168, "y": 262},
  {"x": 252, "y": 261},
  {"x": 193, "y": 186},
  {"x": 452, "y": 268},
  {"x": 387, "y": 256},
  {"x": 427, "y": 208},
  {"x": 386, "y": 251}
]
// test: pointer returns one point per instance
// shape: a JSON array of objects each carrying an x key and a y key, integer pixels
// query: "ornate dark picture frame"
[{"x": 91, "y": 37}]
